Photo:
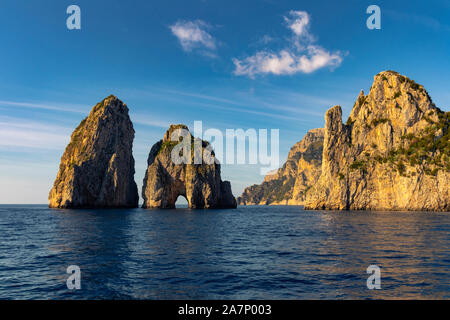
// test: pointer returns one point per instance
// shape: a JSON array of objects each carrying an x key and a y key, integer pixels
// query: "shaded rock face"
[
  {"x": 393, "y": 153},
  {"x": 97, "y": 168},
  {"x": 200, "y": 184},
  {"x": 289, "y": 184}
]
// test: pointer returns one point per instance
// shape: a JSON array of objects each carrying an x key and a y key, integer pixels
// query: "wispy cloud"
[
  {"x": 295, "y": 103},
  {"x": 423, "y": 20},
  {"x": 298, "y": 22},
  {"x": 202, "y": 96},
  {"x": 27, "y": 124},
  {"x": 20, "y": 133},
  {"x": 266, "y": 114},
  {"x": 256, "y": 101},
  {"x": 301, "y": 54},
  {"x": 264, "y": 40},
  {"x": 301, "y": 100},
  {"x": 143, "y": 120},
  {"x": 43, "y": 106},
  {"x": 194, "y": 35},
  {"x": 247, "y": 105}
]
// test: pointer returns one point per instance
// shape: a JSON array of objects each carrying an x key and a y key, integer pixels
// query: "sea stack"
[
  {"x": 290, "y": 184},
  {"x": 393, "y": 153},
  {"x": 97, "y": 168},
  {"x": 200, "y": 183}
]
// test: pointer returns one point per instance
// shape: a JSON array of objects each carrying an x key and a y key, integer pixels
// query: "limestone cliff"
[
  {"x": 393, "y": 153},
  {"x": 97, "y": 168},
  {"x": 200, "y": 183},
  {"x": 289, "y": 184}
]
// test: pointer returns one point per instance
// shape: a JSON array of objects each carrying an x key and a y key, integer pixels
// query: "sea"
[{"x": 253, "y": 252}]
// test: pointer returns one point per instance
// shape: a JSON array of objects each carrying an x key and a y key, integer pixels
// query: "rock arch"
[{"x": 200, "y": 184}]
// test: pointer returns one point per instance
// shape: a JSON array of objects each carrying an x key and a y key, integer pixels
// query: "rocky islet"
[
  {"x": 393, "y": 153},
  {"x": 97, "y": 167}
]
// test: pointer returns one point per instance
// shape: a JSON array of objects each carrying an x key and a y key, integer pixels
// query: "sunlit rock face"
[
  {"x": 393, "y": 153},
  {"x": 201, "y": 184},
  {"x": 97, "y": 168},
  {"x": 290, "y": 184}
]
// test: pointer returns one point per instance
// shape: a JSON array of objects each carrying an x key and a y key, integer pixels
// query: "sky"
[{"x": 230, "y": 64}]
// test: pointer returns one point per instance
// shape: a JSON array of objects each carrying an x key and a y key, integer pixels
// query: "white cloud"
[
  {"x": 193, "y": 35},
  {"x": 301, "y": 55},
  {"x": 423, "y": 20},
  {"x": 266, "y": 39},
  {"x": 299, "y": 22}
]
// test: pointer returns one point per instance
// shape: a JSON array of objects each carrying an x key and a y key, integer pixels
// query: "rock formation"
[
  {"x": 393, "y": 153},
  {"x": 97, "y": 168},
  {"x": 198, "y": 181},
  {"x": 289, "y": 184}
]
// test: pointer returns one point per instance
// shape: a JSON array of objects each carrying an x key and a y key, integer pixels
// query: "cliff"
[
  {"x": 290, "y": 183},
  {"x": 393, "y": 153},
  {"x": 97, "y": 168},
  {"x": 165, "y": 179}
]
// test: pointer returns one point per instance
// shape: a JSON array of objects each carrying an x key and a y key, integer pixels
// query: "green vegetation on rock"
[
  {"x": 376, "y": 122},
  {"x": 429, "y": 150}
]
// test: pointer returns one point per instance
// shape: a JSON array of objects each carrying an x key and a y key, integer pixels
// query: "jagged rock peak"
[
  {"x": 200, "y": 184},
  {"x": 393, "y": 153},
  {"x": 97, "y": 167},
  {"x": 389, "y": 91},
  {"x": 172, "y": 128}
]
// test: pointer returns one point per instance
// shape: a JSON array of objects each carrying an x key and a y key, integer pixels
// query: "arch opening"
[{"x": 181, "y": 202}]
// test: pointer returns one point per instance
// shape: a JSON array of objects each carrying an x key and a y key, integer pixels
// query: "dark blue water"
[{"x": 248, "y": 253}]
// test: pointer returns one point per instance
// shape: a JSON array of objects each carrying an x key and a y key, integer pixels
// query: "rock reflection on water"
[{"x": 250, "y": 253}]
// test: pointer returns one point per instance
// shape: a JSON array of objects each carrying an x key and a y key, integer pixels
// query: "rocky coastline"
[{"x": 392, "y": 153}]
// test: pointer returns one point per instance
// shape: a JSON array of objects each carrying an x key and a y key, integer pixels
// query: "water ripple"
[{"x": 249, "y": 253}]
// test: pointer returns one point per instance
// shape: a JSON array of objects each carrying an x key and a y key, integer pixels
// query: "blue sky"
[{"x": 232, "y": 64}]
